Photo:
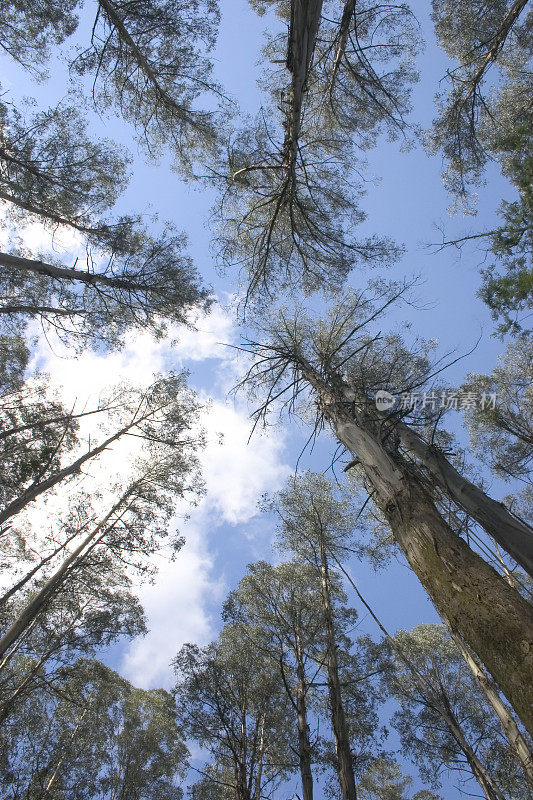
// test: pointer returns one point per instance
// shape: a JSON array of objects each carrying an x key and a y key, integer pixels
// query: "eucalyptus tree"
[
  {"x": 30, "y": 30},
  {"x": 94, "y": 735},
  {"x": 288, "y": 204},
  {"x": 384, "y": 780},
  {"x": 341, "y": 365},
  {"x": 126, "y": 521},
  {"x": 443, "y": 722},
  {"x": 149, "y": 60},
  {"x": 92, "y": 610},
  {"x": 503, "y": 436},
  {"x": 316, "y": 527},
  {"x": 486, "y": 116},
  {"x": 230, "y": 702},
  {"x": 277, "y": 609},
  {"x": 161, "y": 415},
  {"x": 50, "y": 171}
]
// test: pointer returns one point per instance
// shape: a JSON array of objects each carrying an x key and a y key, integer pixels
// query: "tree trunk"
[
  {"x": 259, "y": 773},
  {"x": 41, "y": 598},
  {"x": 490, "y": 790},
  {"x": 304, "y": 746},
  {"x": 492, "y": 618},
  {"x": 515, "y": 536},
  {"x": 338, "y": 718},
  {"x": 516, "y": 740},
  {"x": 39, "y": 487},
  {"x": 305, "y": 21}
]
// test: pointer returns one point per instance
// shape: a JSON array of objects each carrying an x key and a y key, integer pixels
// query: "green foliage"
[
  {"x": 384, "y": 780},
  {"x": 92, "y": 734},
  {"x": 30, "y": 29},
  {"x": 149, "y": 60},
  {"x": 423, "y": 732},
  {"x": 502, "y": 436},
  {"x": 231, "y": 703}
]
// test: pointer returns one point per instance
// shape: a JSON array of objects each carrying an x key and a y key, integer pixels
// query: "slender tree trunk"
[
  {"x": 304, "y": 746},
  {"x": 39, "y": 487},
  {"x": 76, "y": 275},
  {"x": 497, "y": 43},
  {"x": 62, "y": 759},
  {"x": 492, "y": 618},
  {"x": 29, "y": 575},
  {"x": 490, "y": 790},
  {"x": 342, "y": 37},
  {"x": 29, "y": 613},
  {"x": 516, "y": 740},
  {"x": 515, "y": 536},
  {"x": 305, "y": 21},
  {"x": 439, "y": 702},
  {"x": 338, "y": 718},
  {"x": 259, "y": 773}
]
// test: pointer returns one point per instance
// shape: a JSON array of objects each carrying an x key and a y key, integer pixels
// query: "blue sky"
[{"x": 226, "y": 532}]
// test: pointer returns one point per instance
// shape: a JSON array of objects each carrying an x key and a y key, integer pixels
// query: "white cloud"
[
  {"x": 236, "y": 473},
  {"x": 175, "y": 605}
]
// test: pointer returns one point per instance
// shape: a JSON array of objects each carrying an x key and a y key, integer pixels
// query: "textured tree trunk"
[
  {"x": 338, "y": 718},
  {"x": 515, "y": 536},
  {"x": 305, "y": 21},
  {"x": 511, "y": 730},
  {"x": 304, "y": 746},
  {"x": 492, "y": 618}
]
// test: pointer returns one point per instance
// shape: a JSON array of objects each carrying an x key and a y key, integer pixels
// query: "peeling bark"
[{"x": 491, "y": 617}]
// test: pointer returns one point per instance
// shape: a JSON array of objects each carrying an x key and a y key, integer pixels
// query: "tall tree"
[
  {"x": 150, "y": 59},
  {"x": 289, "y": 203},
  {"x": 277, "y": 606},
  {"x": 485, "y": 116},
  {"x": 442, "y": 691},
  {"x": 94, "y": 735},
  {"x": 315, "y": 524},
  {"x": 230, "y": 701},
  {"x": 51, "y": 171},
  {"x": 327, "y": 357}
]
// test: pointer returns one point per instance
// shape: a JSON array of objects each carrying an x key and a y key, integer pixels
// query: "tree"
[
  {"x": 230, "y": 702},
  {"x": 31, "y": 29},
  {"x": 443, "y": 721},
  {"x": 161, "y": 416},
  {"x": 95, "y": 735},
  {"x": 503, "y": 435},
  {"x": 315, "y": 526},
  {"x": 384, "y": 780},
  {"x": 288, "y": 206},
  {"x": 475, "y": 125},
  {"x": 92, "y": 610},
  {"x": 150, "y": 60},
  {"x": 51, "y": 170},
  {"x": 328, "y": 358},
  {"x": 277, "y": 606}
]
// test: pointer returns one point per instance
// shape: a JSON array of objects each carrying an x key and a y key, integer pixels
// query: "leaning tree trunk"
[
  {"x": 42, "y": 597},
  {"x": 338, "y": 718},
  {"x": 491, "y": 617},
  {"x": 304, "y": 746},
  {"x": 515, "y": 536},
  {"x": 516, "y": 740},
  {"x": 490, "y": 790}
]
